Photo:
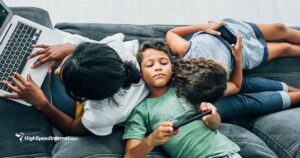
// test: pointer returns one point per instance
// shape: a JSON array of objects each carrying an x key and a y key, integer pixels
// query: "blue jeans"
[
  {"x": 59, "y": 97},
  {"x": 259, "y": 84},
  {"x": 258, "y": 96}
]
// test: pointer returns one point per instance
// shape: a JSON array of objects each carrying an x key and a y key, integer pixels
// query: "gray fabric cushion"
[
  {"x": 97, "y": 146},
  {"x": 251, "y": 146},
  {"x": 99, "y": 31},
  {"x": 281, "y": 132},
  {"x": 16, "y": 118},
  {"x": 284, "y": 69},
  {"x": 112, "y": 145},
  {"x": 37, "y": 15}
]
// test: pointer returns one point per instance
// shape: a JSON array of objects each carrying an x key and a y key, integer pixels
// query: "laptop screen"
[{"x": 3, "y": 15}]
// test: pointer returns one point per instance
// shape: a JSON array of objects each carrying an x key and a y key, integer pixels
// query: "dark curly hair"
[{"x": 199, "y": 80}]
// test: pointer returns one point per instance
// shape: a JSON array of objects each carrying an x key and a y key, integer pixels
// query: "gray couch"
[{"x": 269, "y": 136}]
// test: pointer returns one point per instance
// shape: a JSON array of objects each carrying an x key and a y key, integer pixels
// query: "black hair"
[
  {"x": 157, "y": 44},
  {"x": 199, "y": 80},
  {"x": 95, "y": 71}
]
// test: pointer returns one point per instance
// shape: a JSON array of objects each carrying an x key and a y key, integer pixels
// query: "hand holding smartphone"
[
  {"x": 190, "y": 118},
  {"x": 227, "y": 35}
]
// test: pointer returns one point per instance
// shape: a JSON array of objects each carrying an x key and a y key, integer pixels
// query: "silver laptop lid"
[{"x": 5, "y": 16}]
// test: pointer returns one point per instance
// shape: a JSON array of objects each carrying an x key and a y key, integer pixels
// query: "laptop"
[{"x": 17, "y": 35}]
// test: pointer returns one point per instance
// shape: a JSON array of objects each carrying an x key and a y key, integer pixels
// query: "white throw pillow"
[
  {"x": 117, "y": 37},
  {"x": 77, "y": 39},
  {"x": 115, "y": 41},
  {"x": 132, "y": 46}
]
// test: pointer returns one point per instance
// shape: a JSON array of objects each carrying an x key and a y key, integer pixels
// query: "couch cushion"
[
  {"x": 112, "y": 145},
  {"x": 251, "y": 146},
  {"x": 100, "y": 31},
  {"x": 284, "y": 69},
  {"x": 17, "y": 120},
  {"x": 37, "y": 15},
  {"x": 281, "y": 132},
  {"x": 97, "y": 146}
]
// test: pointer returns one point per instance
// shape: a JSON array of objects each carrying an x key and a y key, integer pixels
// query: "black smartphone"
[
  {"x": 227, "y": 35},
  {"x": 190, "y": 118}
]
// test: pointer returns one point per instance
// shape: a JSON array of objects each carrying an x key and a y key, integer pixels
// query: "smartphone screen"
[{"x": 227, "y": 35}]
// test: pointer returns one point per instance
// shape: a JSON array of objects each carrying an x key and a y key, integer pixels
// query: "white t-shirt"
[{"x": 100, "y": 116}]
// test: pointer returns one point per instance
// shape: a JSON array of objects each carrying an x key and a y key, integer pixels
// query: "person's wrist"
[
  {"x": 42, "y": 105},
  {"x": 70, "y": 47},
  {"x": 238, "y": 59},
  {"x": 149, "y": 141},
  {"x": 203, "y": 27},
  {"x": 212, "y": 122}
]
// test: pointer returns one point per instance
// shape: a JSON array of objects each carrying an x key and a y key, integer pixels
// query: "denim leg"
[
  {"x": 59, "y": 97},
  {"x": 249, "y": 104},
  {"x": 259, "y": 84}
]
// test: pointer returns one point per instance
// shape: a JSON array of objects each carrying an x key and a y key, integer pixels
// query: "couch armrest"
[{"x": 37, "y": 15}]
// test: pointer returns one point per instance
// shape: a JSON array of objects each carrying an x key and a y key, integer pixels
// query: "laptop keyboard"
[{"x": 16, "y": 51}]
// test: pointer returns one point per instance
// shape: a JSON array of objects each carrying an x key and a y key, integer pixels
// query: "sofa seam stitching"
[
  {"x": 41, "y": 154},
  {"x": 241, "y": 140},
  {"x": 152, "y": 153},
  {"x": 151, "y": 32},
  {"x": 298, "y": 144},
  {"x": 272, "y": 139},
  {"x": 102, "y": 155},
  {"x": 274, "y": 74}
]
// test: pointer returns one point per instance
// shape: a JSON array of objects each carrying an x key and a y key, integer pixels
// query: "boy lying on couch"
[{"x": 150, "y": 123}]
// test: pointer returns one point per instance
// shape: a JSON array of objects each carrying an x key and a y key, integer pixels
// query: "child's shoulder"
[{"x": 141, "y": 107}]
